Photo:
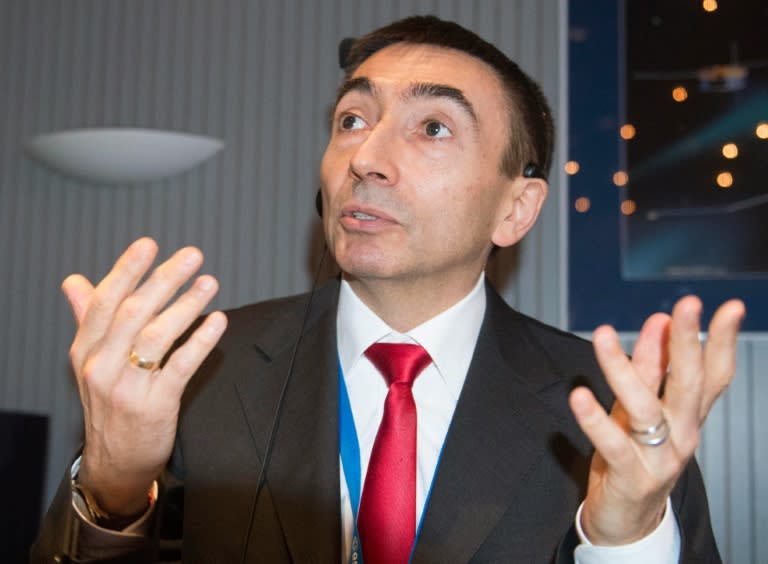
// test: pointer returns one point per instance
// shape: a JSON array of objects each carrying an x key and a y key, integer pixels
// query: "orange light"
[
  {"x": 582, "y": 204},
  {"x": 620, "y": 178},
  {"x": 571, "y": 167},
  {"x": 730, "y": 151},
  {"x": 725, "y": 180},
  {"x": 762, "y": 130},
  {"x": 679, "y": 94},
  {"x": 628, "y": 207},
  {"x": 709, "y": 5},
  {"x": 627, "y": 131}
]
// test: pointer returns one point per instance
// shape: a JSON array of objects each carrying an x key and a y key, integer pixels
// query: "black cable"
[{"x": 279, "y": 409}]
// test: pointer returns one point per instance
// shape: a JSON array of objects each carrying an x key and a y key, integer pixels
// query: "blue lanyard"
[{"x": 349, "y": 449}]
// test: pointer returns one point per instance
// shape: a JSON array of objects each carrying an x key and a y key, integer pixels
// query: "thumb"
[{"x": 78, "y": 291}]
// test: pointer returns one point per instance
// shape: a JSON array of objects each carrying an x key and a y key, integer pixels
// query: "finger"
[
  {"x": 650, "y": 357},
  {"x": 720, "y": 352},
  {"x": 157, "y": 337},
  {"x": 78, "y": 291},
  {"x": 138, "y": 309},
  {"x": 113, "y": 289},
  {"x": 187, "y": 359},
  {"x": 607, "y": 436},
  {"x": 638, "y": 400},
  {"x": 683, "y": 389}
]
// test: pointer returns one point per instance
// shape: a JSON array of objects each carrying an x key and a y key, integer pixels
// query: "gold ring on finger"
[{"x": 144, "y": 363}]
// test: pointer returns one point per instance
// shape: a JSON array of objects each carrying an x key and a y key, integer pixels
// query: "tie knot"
[{"x": 399, "y": 363}]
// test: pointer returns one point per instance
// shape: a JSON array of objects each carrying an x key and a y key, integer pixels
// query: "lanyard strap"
[{"x": 349, "y": 449}]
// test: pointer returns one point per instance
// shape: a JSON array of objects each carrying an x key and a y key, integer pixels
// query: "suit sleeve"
[
  {"x": 689, "y": 500},
  {"x": 65, "y": 537}
]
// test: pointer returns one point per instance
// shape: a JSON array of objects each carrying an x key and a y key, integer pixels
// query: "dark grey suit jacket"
[{"x": 513, "y": 469}]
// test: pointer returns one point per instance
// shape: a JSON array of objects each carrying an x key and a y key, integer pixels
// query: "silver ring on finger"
[
  {"x": 653, "y": 436},
  {"x": 143, "y": 363}
]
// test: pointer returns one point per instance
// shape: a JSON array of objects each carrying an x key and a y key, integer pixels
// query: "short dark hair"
[{"x": 531, "y": 131}]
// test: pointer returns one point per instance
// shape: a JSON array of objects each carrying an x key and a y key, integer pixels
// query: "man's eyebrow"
[
  {"x": 416, "y": 90},
  {"x": 432, "y": 90},
  {"x": 358, "y": 84}
]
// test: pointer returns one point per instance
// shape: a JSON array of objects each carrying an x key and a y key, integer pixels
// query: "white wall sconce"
[{"x": 121, "y": 155}]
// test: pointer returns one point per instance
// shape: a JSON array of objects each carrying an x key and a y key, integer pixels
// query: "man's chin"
[
  {"x": 369, "y": 265},
  {"x": 360, "y": 270}
]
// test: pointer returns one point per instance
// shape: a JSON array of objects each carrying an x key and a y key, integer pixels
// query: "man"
[{"x": 438, "y": 152}]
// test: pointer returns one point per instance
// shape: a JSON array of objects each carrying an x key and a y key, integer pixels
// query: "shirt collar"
[{"x": 449, "y": 337}]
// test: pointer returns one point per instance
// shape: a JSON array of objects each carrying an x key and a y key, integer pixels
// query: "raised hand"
[
  {"x": 131, "y": 402},
  {"x": 642, "y": 447}
]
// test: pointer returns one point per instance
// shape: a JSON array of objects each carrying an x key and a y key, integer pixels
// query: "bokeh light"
[
  {"x": 725, "y": 179},
  {"x": 679, "y": 94},
  {"x": 627, "y": 131},
  {"x": 582, "y": 204},
  {"x": 628, "y": 207},
  {"x": 571, "y": 167},
  {"x": 730, "y": 151}
]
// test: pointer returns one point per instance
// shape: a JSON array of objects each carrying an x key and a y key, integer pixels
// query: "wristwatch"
[{"x": 99, "y": 516}]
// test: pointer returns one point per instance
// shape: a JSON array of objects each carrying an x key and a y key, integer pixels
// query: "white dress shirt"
[{"x": 450, "y": 340}]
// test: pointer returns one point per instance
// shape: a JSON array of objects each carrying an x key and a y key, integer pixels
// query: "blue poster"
[{"x": 668, "y": 158}]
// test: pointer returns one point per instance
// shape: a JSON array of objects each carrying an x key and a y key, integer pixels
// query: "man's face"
[{"x": 411, "y": 178}]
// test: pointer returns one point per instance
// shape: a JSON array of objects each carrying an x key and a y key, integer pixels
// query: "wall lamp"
[{"x": 121, "y": 155}]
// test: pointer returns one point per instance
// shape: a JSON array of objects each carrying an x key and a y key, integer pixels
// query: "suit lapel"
[
  {"x": 303, "y": 473},
  {"x": 496, "y": 437}
]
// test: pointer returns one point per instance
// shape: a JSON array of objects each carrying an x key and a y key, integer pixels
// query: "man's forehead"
[
  {"x": 417, "y": 70},
  {"x": 431, "y": 60}
]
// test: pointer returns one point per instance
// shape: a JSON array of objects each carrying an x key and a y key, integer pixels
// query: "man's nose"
[{"x": 374, "y": 159}]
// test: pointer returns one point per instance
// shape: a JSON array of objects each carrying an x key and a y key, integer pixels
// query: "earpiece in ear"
[
  {"x": 319, "y": 203},
  {"x": 532, "y": 170}
]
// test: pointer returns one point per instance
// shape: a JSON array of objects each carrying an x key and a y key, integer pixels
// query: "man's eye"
[
  {"x": 436, "y": 129},
  {"x": 350, "y": 122}
]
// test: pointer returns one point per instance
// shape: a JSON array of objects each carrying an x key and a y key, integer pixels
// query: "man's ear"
[{"x": 520, "y": 210}]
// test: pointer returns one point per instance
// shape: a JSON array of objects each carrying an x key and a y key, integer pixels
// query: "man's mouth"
[
  {"x": 363, "y": 216},
  {"x": 369, "y": 219}
]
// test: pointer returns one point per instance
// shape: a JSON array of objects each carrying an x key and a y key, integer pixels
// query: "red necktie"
[{"x": 387, "y": 517}]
